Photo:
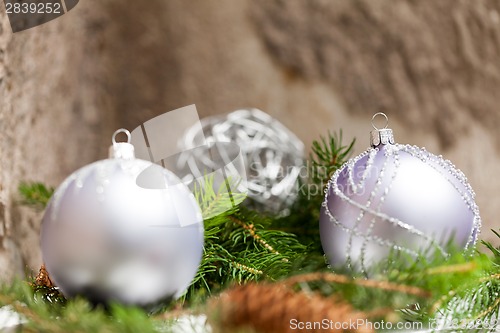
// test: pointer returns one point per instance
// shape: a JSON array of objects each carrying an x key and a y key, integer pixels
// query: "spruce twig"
[
  {"x": 328, "y": 154},
  {"x": 336, "y": 278},
  {"x": 251, "y": 230},
  {"x": 35, "y": 194}
]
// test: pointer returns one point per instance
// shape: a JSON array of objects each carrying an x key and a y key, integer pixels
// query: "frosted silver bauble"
[
  {"x": 395, "y": 197},
  {"x": 122, "y": 230}
]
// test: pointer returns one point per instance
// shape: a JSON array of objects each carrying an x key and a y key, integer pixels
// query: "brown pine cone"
[
  {"x": 43, "y": 278},
  {"x": 274, "y": 308}
]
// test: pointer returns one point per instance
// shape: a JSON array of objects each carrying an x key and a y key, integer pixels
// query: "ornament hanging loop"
[
  {"x": 381, "y": 135},
  {"x": 121, "y": 130},
  {"x": 380, "y": 114},
  {"x": 122, "y": 150}
]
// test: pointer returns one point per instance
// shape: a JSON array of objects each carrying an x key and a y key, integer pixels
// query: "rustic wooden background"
[{"x": 316, "y": 65}]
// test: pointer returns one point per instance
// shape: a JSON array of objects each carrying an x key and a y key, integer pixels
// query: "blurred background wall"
[{"x": 316, "y": 65}]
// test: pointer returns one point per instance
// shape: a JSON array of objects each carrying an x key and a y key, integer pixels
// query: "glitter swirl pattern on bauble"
[{"x": 395, "y": 197}]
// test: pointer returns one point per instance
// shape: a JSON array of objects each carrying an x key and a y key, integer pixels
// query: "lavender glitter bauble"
[{"x": 395, "y": 197}]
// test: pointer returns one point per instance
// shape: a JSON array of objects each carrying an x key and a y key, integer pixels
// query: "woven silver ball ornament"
[
  {"x": 122, "y": 230},
  {"x": 273, "y": 155},
  {"x": 395, "y": 197}
]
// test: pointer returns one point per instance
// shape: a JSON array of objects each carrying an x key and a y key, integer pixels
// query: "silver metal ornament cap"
[
  {"x": 381, "y": 135},
  {"x": 122, "y": 150}
]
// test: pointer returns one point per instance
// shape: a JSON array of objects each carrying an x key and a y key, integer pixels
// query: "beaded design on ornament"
[{"x": 393, "y": 151}]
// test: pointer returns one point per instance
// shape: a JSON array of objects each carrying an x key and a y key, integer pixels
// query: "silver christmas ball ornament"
[
  {"x": 395, "y": 197},
  {"x": 122, "y": 230},
  {"x": 273, "y": 155}
]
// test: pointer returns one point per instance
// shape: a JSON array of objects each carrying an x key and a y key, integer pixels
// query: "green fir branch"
[
  {"x": 76, "y": 315},
  {"x": 240, "y": 245},
  {"x": 35, "y": 194},
  {"x": 328, "y": 154}
]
